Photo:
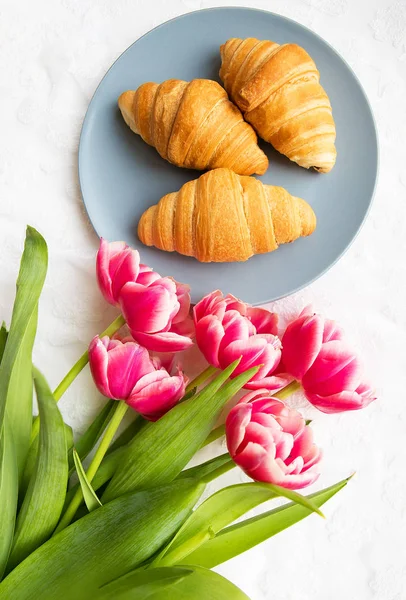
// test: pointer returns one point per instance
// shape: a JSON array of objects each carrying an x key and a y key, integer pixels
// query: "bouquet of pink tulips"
[{"x": 129, "y": 524}]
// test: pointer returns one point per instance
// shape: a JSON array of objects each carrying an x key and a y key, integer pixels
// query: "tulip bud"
[
  {"x": 271, "y": 442},
  {"x": 125, "y": 371},
  {"x": 117, "y": 264},
  {"x": 227, "y": 329}
]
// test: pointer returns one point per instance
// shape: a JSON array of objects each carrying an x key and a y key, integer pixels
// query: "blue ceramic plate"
[{"x": 120, "y": 175}]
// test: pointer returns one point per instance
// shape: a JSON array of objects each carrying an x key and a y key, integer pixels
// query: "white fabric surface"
[{"x": 52, "y": 56}]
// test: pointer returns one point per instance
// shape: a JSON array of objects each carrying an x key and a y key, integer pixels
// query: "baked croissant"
[
  {"x": 224, "y": 217},
  {"x": 193, "y": 125},
  {"x": 278, "y": 90}
]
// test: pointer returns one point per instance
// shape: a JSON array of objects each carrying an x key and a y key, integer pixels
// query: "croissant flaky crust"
[
  {"x": 278, "y": 90},
  {"x": 193, "y": 125},
  {"x": 224, "y": 217}
]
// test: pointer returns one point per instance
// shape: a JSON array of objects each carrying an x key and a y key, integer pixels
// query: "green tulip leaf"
[
  {"x": 8, "y": 493},
  {"x": 44, "y": 499},
  {"x": 103, "y": 545},
  {"x": 128, "y": 434},
  {"x": 141, "y": 584},
  {"x": 207, "y": 468},
  {"x": 16, "y": 366},
  {"x": 3, "y": 339},
  {"x": 88, "y": 440},
  {"x": 91, "y": 500},
  {"x": 32, "y": 460},
  {"x": 161, "y": 450},
  {"x": 238, "y": 538},
  {"x": 218, "y": 511},
  {"x": 202, "y": 584}
]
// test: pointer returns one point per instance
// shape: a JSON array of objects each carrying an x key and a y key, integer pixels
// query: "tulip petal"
[
  {"x": 258, "y": 434},
  {"x": 250, "y": 350},
  {"x": 256, "y": 395},
  {"x": 252, "y": 457},
  {"x": 162, "y": 342},
  {"x": 126, "y": 269},
  {"x": 235, "y": 327},
  {"x": 301, "y": 343},
  {"x": 127, "y": 363},
  {"x": 273, "y": 383},
  {"x": 156, "y": 393},
  {"x": 212, "y": 304},
  {"x": 147, "y": 309},
  {"x": 146, "y": 278},
  {"x": 332, "y": 331},
  {"x": 209, "y": 333},
  {"x": 98, "y": 361},
  {"x": 236, "y": 423},
  {"x": 263, "y": 320},
  {"x": 183, "y": 296},
  {"x": 340, "y": 402},
  {"x": 336, "y": 369},
  {"x": 234, "y": 303}
]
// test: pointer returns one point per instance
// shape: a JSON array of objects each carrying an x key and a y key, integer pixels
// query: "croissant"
[
  {"x": 193, "y": 125},
  {"x": 278, "y": 90},
  {"x": 224, "y": 217}
]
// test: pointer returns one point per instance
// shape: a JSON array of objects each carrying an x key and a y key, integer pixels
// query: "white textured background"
[{"x": 52, "y": 55}]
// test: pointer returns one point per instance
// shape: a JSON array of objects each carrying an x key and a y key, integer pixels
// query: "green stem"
[
  {"x": 214, "y": 434},
  {"x": 287, "y": 391},
  {"x": 76, "y": 369},
  {"x": 219, "y": 431},
  {"x": 84, "y": 359},
  {"x": 219, "y": 471},
  {"x": 112, "y": 427},
  {"x": 204, "y": 376}
]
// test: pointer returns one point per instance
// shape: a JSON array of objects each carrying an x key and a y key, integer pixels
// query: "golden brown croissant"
[
  {"x": 278, "y": 90},
  {"x": 193, "y": 125},
  {"x": 224, "y": 217}
]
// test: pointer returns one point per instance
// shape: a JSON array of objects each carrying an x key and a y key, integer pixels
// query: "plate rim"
[{"x": 86, "y": 119}]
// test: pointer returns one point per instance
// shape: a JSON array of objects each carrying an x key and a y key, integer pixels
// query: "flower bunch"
[{"x": 129, "y": 524}]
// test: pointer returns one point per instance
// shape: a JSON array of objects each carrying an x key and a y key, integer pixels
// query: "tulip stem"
[
  {"x": 214, "y": 435},
  {"x": 219, "y": 471},
  {"x": 76, "y": 369},
  {"x": 84, "y": 359},
  {"x": 111, "y": 429},
  {"x": 204, "y": 376},
  {"x": 285, "y": 392}
]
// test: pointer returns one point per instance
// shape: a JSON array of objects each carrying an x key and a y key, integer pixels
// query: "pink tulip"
[
  {"x": 117, "y": 264},
  {"x": 315, "y": 353},
  {"x": 303, "y": 340},
  {"x": 158, "y": 314},
  {"x": 227, "y": 329},
  {"x": 271, "y": 442},
  {"x": 124, "y": 371},
  {"x": 334, "y": 383}
]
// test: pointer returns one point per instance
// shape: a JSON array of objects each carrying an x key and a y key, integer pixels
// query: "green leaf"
[
  {"x": 128, "y": 434},
  {"x": 160, "y": 450},
  {"x": 15, "y": 368},
  {"x": 141, "y": 584},
  {"x": 43, "y": 502},
  {"x": 3, "y": 339},
  {"x": 245, "y": 535},
  {"x": 104, "y": 473},
  {"x": 103, "y": 545},
  {"x": 202, "y": 584},
  {"x": 91, "y": 500},
  {"x": 88, "y": 440},
  {"x": 218, "y": 511},
  {"x": 32, "y": 460},
  {"x": 8, "y": 493},
  {"x": 206, "y": 468}
]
